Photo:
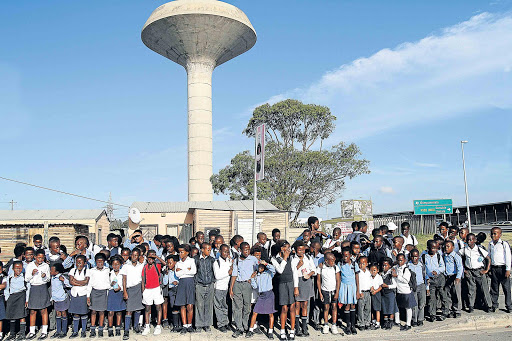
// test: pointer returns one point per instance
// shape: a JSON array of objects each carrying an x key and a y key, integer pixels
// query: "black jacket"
[{"x": 204, "y": 274}]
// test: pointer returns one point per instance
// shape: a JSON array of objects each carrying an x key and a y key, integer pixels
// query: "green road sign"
[{"x": 439, "y": 206}]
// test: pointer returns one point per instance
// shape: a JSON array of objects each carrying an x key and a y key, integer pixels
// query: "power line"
[{"x": 61, "y": 192}]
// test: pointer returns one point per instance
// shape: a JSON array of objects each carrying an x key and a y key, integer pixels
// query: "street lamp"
[{"x": 465, "y": 184}]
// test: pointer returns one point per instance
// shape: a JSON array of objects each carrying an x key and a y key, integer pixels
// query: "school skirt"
[
  {"x": 388, "y": 305},
  {"x": 165, "y": 291},
  {"x": 171, "y": 293},
  {"x": 16, "y": 306},
  {"x": 2, "y": 307},
  {"x": 265, "y": 303},
  {"x": 39, "y": 297},
  {"x": 286, "y": 295},
  {"x": 115, "y": 301},
  {"x": 62, "y": 305},
  {"x": 305, "y": 290},
  {"x": 376, "y": 302},
  {"x": 186, "y": 292},
  {"x": 98, "y": 300},
  {"x": 405, "y": 301},
  {"x": 134, "y": 301},
  {"x": 348, "y": 293},
  {"x": 78, "y": 305}
]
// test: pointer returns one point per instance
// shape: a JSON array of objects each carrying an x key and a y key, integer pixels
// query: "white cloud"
[
  {"x": 387, "y": 190},
  {"x": 461, "y": 69}
]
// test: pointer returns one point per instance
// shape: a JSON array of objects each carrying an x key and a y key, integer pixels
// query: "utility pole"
[
  {"x": 466, "y": 184},
  {"x": 12, "y": 202}
]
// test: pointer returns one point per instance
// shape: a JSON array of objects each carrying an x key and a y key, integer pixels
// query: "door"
[{"x": 244, "y": 228}]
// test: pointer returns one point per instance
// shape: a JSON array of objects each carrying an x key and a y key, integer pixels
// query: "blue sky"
[{"x": 87, "y": 108}]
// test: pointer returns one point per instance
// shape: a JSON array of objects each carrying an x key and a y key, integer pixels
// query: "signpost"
[{"x": 439, "y": 206}]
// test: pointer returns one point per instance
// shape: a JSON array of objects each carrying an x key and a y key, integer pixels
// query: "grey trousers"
[
  {"x": 498, "y": 278},
  {"x": 220, "y": 305},
  {"x": 364, "y": 310},
  {"x": 453, "y": 294},
  {"x": 436, "y": 287},
  {"x": 315, "y": 305},
  {"x": 418, "y": 312},
  {"x": 242, "y": 304},
  {"x": 204, "y": 305},
  {"x": 477, "y": 281}
]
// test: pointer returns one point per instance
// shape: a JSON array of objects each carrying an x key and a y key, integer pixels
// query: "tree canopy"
[{"x": 299, "y": 173}]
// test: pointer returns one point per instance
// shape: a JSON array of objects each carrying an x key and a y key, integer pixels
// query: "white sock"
[
  {"x": 147, "y": 325},
  {"x": 32, "y": 329},
  {"x": 409, "y": 316},
  {"x": 377, "y": 323},
  {"x": 283, "y": 331},
  {"x": 44, "y": 329},
  {"x": 256, "y": 324},
  {"x": 141, "y": 319},
  {"x": 251, "y": 329},
  {"x": 397, "y": 317}
]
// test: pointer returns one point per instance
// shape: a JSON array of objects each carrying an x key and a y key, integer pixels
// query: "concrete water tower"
[{"x": 199, "y": 35}]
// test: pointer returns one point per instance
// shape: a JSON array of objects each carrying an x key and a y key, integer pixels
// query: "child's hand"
[
  {"x": 61, "y": 278},
  {"x": 34, "y": 272},
  {"x": 301, "y": 262},
  {"x": 190, "y": 268},
  {"x": 43, "y": 275},
  {"x": 434, "y": 273},
  {"x": 384, "y": 285},
  {"x": 175, "y": 283},
  {"x": 125, "y": 295},
  {"x": 26, "y": 304},
  {"x": 88, "y": 301},
  {"x": 457, "y": 280},
  {"x": 296, "y": 291},
  {"x": 336, "y": 295},
  {"x": 393, "y": 272},
  {"x": 263, "y": 262},
  {"x": 112, "y": 284},
  {"x": 320, "y": 296},
  {"x": 253, "y": 274},
  {"x": 428, "y": 292},
  {"x": 178, "y": 269},
  {"x": 231, "y": 293}
]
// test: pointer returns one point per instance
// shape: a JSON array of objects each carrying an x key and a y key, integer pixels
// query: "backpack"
[
  {"x": 157, "y": 272},
  {"x": 438, "y": 258},
  {"x": 486, "y": 260},
  {"x": 413, "y": 284}
]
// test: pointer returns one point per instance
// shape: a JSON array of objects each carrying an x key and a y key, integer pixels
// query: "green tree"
[{"x": 299, "y": 173}]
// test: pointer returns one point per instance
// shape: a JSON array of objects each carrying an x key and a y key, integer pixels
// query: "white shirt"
[
  {"x": 221, "y": 271},
  {"x": 328, "y": 274},
  {"x": 410, "y": 239},
  {"x": 79, "y": 276},
  {"x": 99, "y": 280},
  {"x": 376, "y": 282},
  {"x": 133, "y": 273},
  {"x": 307, "y": 266},
  {"x": 187, "y": 268},
  {"x": 116, "y": 278},
  {"x": 500, "y": 253},
  {"x": 37, "y": 279},
  {"x": 402, "y": 280},
  {"x": 474, "y": 260},
  {"x": 330, "y": 242},
  {"x": 365, "y": 277}
]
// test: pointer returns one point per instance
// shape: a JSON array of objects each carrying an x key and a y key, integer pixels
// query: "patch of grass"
[{"x": 422, "y": 239}]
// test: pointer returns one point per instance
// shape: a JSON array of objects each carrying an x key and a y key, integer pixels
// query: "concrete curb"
[{"x": 478, "y": 322}]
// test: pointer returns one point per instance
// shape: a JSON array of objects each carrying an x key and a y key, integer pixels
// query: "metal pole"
[
  {"x": 255, "y": 192},
  {"x": 466, "y": 184}
]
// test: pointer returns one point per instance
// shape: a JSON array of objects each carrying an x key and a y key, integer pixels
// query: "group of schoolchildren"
[{"x": 191, "y": 287}]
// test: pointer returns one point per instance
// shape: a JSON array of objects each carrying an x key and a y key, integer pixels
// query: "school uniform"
[
  {"x": 52, "y": 258},
  {"x": 348, "y": 287},
  {"x": 152, "y": 294},
  {"x": 16, "y": 293},
  {"x": 376, "y": 255},
  {"x": 316, "y": 306},
  {"x": 221, "y": 271},
  {"x": 204, "y": 291},
  {"x": 263, "y": 284},
  {"x": 3, "y": 279},
  {"x": 60, "y": 296},
  {"x": 388, "y": 295},
  {"x": 420, "y": 295},
  {"x": 404, "y": 296},
  {"x": 133, "y": 274},
  {"x": 185, "y": 293},
  {"x": 435, "y": 283},
  {"x": 330, "y": 243},
  {"x": 243, "y": 269},
  {"x": 97, "y": 289},
  {"x": 39, "y": 295},
  {"x": 305, "y": 285},
  {"x": 115, "y": 300},
  {"x": 409, "y": 240},
  {"x": 284, "y": 280},
  {"x": 500, "y": 263},
  {"x": 474, "y": 263},
  {"x": 375, "y": 283},
  {"x": 453, "y": 291},
  {"x": 328, "y": 279},
  {"x": 168, "y": 281},
  {"x": 78, "y": 303},
  {"x": 364, "y": 304}
]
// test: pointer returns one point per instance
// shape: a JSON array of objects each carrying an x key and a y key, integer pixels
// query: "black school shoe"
[
  {"x": 237, "y": 333},
  {"x": 270, "y": 335},
  {"x": 405, "y": 328},
  {"x": 249, "y": 334},
  {"x": 30, "y": 336},
  {"x": 43, "y": 336},
  {"x": 126, "y": 335}
]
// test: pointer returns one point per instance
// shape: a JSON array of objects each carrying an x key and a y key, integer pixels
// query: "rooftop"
[
  {"x": 50, "y": 214},
  {"x": 184, "y": 206}
]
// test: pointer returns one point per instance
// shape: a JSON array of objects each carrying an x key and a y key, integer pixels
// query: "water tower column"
[{"x": 200, "y": 149}]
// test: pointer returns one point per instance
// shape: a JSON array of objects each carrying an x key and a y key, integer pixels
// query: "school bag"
[
  {"x": 157, "y": 272},
  {"x": 413, "y": 284},
  {"x": 438, "y": 258}
]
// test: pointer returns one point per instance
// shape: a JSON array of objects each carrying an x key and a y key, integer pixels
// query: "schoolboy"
[
  {"x": 477, "y": 264},
  {"x": 132, "y": 292},
  {"x": 205, "y": 290},
  {"x": 398, "y": 247},
  {"x": 375, "y": 291},
  {"x": 443, "y": 231},
  {"x": 199, "y": 239},
  {"x": 262, "y": 241},
  {"x": 453, "y": 272},
  {"x": 364, "y": 304},
  {"x": 54, "y": 253},
  {"x": 434, "y": 275},
  {"x": 222, "y": 269},
  {"x": 151, "y": 292},
  {"x": 171, "y": 281},
  {"x": 499, "y": 251},
  {"x": 97, "y": 290},
  {"x": 113, "y": 244},
  {"x": 38, "y": 242},
  {"x": 240, "y": 289},
  {"x": 235, "y": 246},
  {"x": 420, "y": 295},
  {"x": 328, "y": 280},
  {"x": 37, "y": 274},
  {"x": 16, "y": 292},
  {"x": 379, "y": 251},
  {"x": 405, "y": 227}
]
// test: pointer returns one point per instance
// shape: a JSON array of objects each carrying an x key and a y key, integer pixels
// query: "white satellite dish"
[{"x": 134, "y": 218}]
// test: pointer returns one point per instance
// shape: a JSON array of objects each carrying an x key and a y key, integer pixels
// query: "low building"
[
  {"x": 21, "y": 225},
  {"x": 184, "y": 219}
]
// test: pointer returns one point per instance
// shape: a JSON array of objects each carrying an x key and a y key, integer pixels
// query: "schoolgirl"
[
  {"x": 349, "y": 287},
  {"x": 303, "y": 269},
  {"x": 375, "y": 291},
  {"x": 79, "y": 279},
  {"x": 185, "y": 270},
  {"x": 132, "y": 292},
  {"x": 328, "y": 280},
  {"x": 16, "y": 293},
  {"x": 170, "y": 281},
  {"x": 404, "y": 296},
  {"x": 389, "y": 306},
  {"x": 170, "y": 245},
  {"x": 97, "y": 291},
  {"x": 60, "y": 285},
  {"x": 37, "y": 274},
  {"x": 115, "y": 302},
  {"x": 334, "y": 243},
  {"x": 265, "y": 302}
]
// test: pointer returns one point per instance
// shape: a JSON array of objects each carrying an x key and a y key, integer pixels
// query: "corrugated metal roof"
[
  {"x": 184, "y": 206},
  {"x": 50, "y": 214}
]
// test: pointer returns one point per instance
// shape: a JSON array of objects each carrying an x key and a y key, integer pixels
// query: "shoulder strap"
[{"x": 423, "y": 258}]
